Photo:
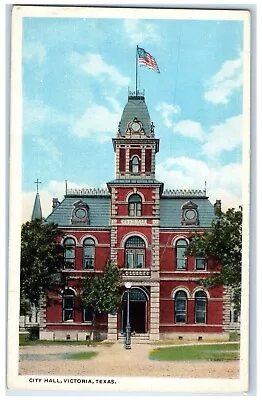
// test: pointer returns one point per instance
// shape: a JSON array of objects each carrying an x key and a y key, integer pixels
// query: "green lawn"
[
  {"x": 80, "y": 356},
  {"x": 25, "y": 341},
  {"x": 59, "y": 356},
  {"x": 208, "y": 352}
]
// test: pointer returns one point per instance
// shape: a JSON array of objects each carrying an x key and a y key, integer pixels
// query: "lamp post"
[{"x": 128, "y": 327}]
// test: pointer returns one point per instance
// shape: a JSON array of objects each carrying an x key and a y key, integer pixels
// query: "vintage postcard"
[{"x": 129, "y": 199}]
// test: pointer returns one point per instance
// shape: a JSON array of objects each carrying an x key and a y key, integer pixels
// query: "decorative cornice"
[{"x": 183, "y": 193}]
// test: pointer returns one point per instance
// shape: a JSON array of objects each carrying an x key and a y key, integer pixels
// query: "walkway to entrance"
[{"x": 116, "y": 361}]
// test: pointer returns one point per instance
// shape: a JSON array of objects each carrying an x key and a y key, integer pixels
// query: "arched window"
[
  {"x": 135, "y": 252},
  {"x": 68, "y": 305},
  {"x": 200, "y": 307},
  {"x": 135, "y": 205},
  {"x": 180, "y": 306},
  {"x": 69, "y": 253},
  {"x": 89, "y": 253},
  {"x": 135, "y": 165},
  {"x": 181, "y": 258}
]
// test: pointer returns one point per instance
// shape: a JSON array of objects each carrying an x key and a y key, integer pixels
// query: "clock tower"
[{"x": 135, "y": 214}]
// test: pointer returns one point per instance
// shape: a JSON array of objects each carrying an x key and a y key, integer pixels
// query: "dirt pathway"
[{"x": 116, "y": 361}]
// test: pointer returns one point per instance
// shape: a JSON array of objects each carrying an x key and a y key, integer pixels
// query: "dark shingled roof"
[
  {"x": 135, "y": 107},
  {"x": 171, "y": 211},
  {"x": 99, "y": 211}
]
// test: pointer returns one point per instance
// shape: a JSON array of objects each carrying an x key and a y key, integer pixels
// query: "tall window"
[
  {"x": 181, "y": 258},
  {"x": 89, "y": 254},
  {"x": 68, "y": 305},
  {"x": 69, "y": 253},
  {"x": 134, "y": 206},
  {"x": 135, "y": 165},
  {"x": 200, "y": 307},
  {"x": 135, "y": 252},
  {"x": 180, "y": 306}
]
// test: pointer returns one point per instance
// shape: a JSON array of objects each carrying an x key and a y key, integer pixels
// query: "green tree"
[
  {"x": 223, "y": 245},
  {"x": 101, "y": 293},
  {"x": 41, "y": 258}
]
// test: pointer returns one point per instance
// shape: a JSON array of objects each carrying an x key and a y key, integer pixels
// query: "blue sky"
[{"x": 75, "y": 75}]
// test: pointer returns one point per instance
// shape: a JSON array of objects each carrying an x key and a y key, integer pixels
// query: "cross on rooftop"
[{"x": 37, "y": 183}]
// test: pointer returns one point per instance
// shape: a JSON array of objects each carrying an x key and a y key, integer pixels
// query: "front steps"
[{"x": 135, "y": 338}]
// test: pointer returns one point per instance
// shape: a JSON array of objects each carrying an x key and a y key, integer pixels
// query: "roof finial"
[
  {"x": 205, "y": 188},
  {"x": 37, "y": 183}
]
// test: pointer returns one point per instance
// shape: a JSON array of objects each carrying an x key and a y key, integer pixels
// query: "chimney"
[
  {"x": 55, "y": 203},
  {"x": 217, "y": 206}
]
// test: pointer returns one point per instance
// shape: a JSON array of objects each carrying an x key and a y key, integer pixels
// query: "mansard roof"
[
  {"x": 135, "y": 108},
  {"x": 98, "y": 205},
  {"x": 171, "y": 211}
]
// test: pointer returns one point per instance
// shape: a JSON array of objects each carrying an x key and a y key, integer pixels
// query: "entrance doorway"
[{"x": 137, "y": 311}]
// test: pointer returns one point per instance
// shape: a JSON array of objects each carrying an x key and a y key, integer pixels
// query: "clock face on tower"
[{"x": 136, "y": 126}]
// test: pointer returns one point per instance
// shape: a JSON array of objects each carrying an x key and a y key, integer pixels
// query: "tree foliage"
[
  {"x": 40, "y": 260},
  {"x": 223, "y": 245},
  {"x": 101, "y": 292}
]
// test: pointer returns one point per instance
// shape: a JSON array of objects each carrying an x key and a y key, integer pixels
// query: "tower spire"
[{"x": 37, "y": 209}]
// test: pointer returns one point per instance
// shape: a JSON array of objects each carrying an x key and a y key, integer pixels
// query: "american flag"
[{"x": 144, "y": 58}]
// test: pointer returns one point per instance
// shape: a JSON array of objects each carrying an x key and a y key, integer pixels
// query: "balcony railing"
[{"x": 136, "y": 272}]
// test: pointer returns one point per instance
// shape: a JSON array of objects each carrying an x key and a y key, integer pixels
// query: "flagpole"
[{"x": 136, "y": 68}]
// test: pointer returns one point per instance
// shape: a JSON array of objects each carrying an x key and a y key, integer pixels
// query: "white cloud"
[
  {"x": 94, "y": 65},
  {"x": 167, "y": 112},
  {"x": 140, "y": 32},
  {"x": 223, "y": 84},
  {"x": 226, "y": 136},
  {"x": 34, "y": 52},
  {"x": 98, "y": 123},
  {"x": 223, "y": 182},
  {"x": 188, "y": 128}
]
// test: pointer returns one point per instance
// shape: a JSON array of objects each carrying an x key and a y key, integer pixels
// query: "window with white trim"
[
  {"x": 200, "y": 307},
  {"x": 135, "y": 165},
  {"x": 181, "y": 257},
  {"x": 181, "y": 307},
  {"x": 135, "y": 252},
  {"x": 134, "y": 205},
  {"x": 89, "y": 253},
  {"x": 200, "y": 263},
  {"x": 68, "y": 305},
  {"x": 69, "y": 253}
]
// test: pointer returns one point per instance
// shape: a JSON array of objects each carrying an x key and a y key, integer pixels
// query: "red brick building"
[{"x": 145, "y": 230}]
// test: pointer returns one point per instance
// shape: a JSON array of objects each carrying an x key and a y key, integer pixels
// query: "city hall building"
[{"x": 145, "y": 230}]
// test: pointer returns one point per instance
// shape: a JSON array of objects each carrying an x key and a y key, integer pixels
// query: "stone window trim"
[
  {"x": 89, "y": 247},
  {"x": 135, "y": 254},
  {"x": 201, "y": 301},
  {"x": 180, "y": 307},
  {"x": 135, "y": 205},
  {"x": 68, "y": 304},
  {"x": 69, "y": 253}
]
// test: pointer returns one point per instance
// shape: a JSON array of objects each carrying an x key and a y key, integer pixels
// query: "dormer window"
[
  {"x": 189, "y": 214},
  {"x": 80, "y": 213}
]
